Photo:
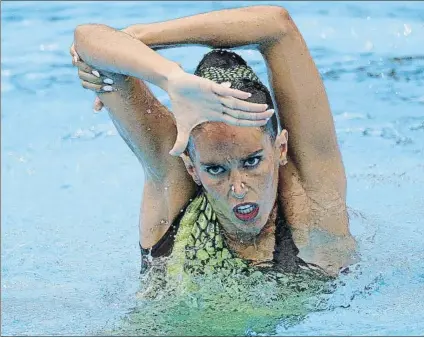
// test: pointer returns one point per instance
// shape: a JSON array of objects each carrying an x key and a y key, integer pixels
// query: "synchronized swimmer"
[{"x": 229, "y": 182}]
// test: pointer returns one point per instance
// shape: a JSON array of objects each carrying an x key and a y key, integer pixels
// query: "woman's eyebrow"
[
  {"x": 212, "y": 164},
  {"x": 209, "y": 164},
  {"x": 253, "y": 154}
]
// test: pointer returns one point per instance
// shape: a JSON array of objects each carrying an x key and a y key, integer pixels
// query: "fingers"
[
  {"x": 97, "y": 88},
  {"x": 224, "y": 90},
  {"x": 233, "y": 103},
  {"x": 74, "y": 54},
  {"x": 92, "y": 86},
  {"x": 242, "y": 115},
  {"x": 89, "y": 77},
  {"x": 242, "y": 123},
  {"x": 98, "y": 105},
  {"x": 86, "y": 73},
  {"x": 181, "y": 142},
  {"x": 81, "y": 65}
]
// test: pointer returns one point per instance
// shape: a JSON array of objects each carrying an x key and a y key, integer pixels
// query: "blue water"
[{"x": 71, "y": 189}]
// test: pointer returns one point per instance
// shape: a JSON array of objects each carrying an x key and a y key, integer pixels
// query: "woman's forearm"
[
  {"x": 108, "y": 49},
  {"x": 256, "y": 25}
]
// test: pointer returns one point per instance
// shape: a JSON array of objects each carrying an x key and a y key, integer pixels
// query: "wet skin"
[
  {"x": 311, "y": 186},
  {"x": 245, "y": 158}
]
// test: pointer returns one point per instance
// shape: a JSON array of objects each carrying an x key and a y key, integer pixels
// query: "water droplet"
[{"x": 406, "y": 29}]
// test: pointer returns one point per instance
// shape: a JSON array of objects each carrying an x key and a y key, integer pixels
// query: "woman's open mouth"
[{"x": 246, "y": 211}]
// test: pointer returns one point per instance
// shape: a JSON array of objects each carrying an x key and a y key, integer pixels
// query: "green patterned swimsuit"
[{"x": 199, "y": 247}]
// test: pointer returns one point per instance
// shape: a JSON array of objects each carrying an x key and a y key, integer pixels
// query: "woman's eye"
[
  {"x": 252, "y": 162},
  {"x": 215, "y": 170}
]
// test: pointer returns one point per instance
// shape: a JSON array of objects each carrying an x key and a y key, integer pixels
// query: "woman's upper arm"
[
  {"x": 304, "y": 110},
  {"x": 143, "y": 122}
]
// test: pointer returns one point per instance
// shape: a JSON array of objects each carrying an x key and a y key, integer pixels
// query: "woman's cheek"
[
  {"x": 262, "y": 176},
  {"x": 213, "y": 186}
]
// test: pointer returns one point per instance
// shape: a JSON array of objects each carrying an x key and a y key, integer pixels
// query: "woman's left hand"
[
  {"x": 91, "y": 78},
  {"x": 195, "y": 100}
]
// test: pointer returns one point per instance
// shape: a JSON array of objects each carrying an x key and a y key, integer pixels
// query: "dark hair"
[{"x": 225, "y": 66}]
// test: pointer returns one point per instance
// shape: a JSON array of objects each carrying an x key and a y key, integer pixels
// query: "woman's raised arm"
[
  {"x": 302, "y": 103},
  {"x": 221, "y": 29},
  {"x": 298, "y": 89},
  {"x": 108, "y": 49},
  {"x": 194, "y": 100}
]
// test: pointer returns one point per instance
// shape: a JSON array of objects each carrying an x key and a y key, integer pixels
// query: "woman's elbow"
[
  {"x": 88, "y": 35},
  {"x": 276, "y": 12},
  {"x": 86, "y": 30},
  {"x": 280, "y": 17},
  {"x": 275, "y": 17}
]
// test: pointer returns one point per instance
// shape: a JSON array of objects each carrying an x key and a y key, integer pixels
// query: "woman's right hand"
[{"x": 195, "y": 100}]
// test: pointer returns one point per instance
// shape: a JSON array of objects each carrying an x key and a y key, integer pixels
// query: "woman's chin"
[{"x": 252, "y": 227}]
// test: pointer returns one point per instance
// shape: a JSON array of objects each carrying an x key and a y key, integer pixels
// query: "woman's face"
[{"x": 238, "y": 169}]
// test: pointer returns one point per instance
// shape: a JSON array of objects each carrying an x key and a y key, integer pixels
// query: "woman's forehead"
[{"x": 218, "y": 141}]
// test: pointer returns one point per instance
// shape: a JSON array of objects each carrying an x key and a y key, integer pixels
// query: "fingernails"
[
  {"x": 226, "y": 84},
  {"x": 97, "y": 108},
  {"x": 107, "y": 88},
  {"x": 108, "y": 81},
  {"x": 271, "y": 111},
  {"x": 95, "y": 73},
  {"x": 249, "y": 94},
  {"x": 75, "y": 58}
]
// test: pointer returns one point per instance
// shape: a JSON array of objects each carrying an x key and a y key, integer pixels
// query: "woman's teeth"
[{"x": 245, "y": 209}]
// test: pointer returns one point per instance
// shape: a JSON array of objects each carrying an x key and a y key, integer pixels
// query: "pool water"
[{"x": 71, "y": 189}]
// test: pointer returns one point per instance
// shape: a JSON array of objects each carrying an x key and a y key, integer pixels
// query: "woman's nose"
[
  {"x": 237, "y": 186},
  {"x": 239, "y": 193}
]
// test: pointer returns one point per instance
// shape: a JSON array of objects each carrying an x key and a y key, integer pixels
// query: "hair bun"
[{"x": 221, "y": 59}]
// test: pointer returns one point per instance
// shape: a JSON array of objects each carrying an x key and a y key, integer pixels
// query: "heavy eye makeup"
[
  {"x": 252, "y": 162},
  {"x": 214, "y": 170},
  {"x": 249, "y": 163}
]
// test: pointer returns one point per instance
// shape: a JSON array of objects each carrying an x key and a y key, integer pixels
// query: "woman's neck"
[{"x": 258, "y": 248}]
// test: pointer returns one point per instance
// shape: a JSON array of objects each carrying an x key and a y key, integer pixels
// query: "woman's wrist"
[
  {"x": 144, "y": 33},
  {"x": 174, "y": 72},
  {"x": 141, "y": 32}
]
